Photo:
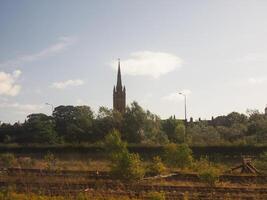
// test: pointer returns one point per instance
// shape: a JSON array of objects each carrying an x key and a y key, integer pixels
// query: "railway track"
[
  {"x": 176, "y": 176},
  {"x": 141, "y": 191},
  {"x": 33, "y": 180}
]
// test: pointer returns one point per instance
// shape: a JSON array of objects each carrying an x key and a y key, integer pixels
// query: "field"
[
  {"x": 100, "y": 184},
  {"x": 53, "y": 178}
]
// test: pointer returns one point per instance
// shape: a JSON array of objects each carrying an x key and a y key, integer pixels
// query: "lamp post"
[
  {"x": 185, "y": 114},
  {"x": 52, "y": 107}
]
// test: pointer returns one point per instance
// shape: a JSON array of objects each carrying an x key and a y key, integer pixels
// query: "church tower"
[{"x": 119, "y": 93}]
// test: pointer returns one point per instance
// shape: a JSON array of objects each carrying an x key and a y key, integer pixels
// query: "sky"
[{"x": 65, "y": 52}]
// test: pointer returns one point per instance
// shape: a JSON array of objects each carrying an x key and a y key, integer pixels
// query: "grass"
[{"x": 10, "y": 195}]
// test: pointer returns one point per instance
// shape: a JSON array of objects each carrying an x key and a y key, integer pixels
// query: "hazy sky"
[{"x": 63, "y": 52}]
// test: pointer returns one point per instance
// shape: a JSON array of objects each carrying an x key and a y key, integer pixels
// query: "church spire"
[
  {"x": 119, "y": 93},
  {"x": 119, "y": 84}
]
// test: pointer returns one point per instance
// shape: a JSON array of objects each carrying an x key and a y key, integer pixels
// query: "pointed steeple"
[
  {"x": 119, "y": 93},
  {"x": 119, "y": 84}
]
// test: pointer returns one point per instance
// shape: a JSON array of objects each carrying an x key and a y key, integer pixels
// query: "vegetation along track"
[
  {"x": 193, "y": 177},
  {"x": 101, "y": 181},
  {"x": 172, "y": 192}
]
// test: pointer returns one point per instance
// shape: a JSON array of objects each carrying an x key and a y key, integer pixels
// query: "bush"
[
  {"x": 50, "y": 160},
  {"x": 210, "y": 176},
  {"x": 156, "y": 167},
  {"x": 114, "y": 144},
  {"x": 156, "y": 196},
  {"x": 7, "y": 160},
  {"x": 261, "y": 163},
  {"x": 207, "y": 173},
  {"x": 25, "y": 162},
  {"x": 178, "y": 155},
  {"x": 127, "y": 166},
  {"x": 124, "y": 165}
]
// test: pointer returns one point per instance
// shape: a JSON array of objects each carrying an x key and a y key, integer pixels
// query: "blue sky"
[{"x": 64, "y": 52}]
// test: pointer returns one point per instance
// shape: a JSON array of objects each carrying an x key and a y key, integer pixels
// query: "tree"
[
  {"x": 74, "y": 123},
  {"x": 134, "y": 123},
  {"x": 168, "y": 127},
  {"x": 180, "y": 132},
  {"x": 105, "y": 122},
  {"x": 113, "y": 143},
  {"x": 230, "y": 119},
  {"x": 153, "y": 131},
  {"x": 257, "y": 126},
  {"x": 202, "y": 133},
  {"x": 40, "y": 128}
]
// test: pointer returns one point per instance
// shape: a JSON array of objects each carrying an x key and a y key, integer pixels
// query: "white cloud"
[
  {"x": 149, "y": 63},
  {"x": 61, "y": 45},
  {"x": 175, "y": 96},
  {"x": 251, "y": 58},
  {"x": 8, "y": 85},
  {"x": 68, "y": 83},
  {"x": 21, "y": 107},
  {"x": 257, "y": 81}
]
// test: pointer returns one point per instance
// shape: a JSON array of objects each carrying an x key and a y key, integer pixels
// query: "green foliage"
[
  {"x": 41, "y": 129},
  {"x": 153, "y": 133},
  {"x": 202, "y": 133},
  {"x": 210, "y": 176},
  {"x": 113, "y": 143},
  {"x": 134, "y": 123},
  {"x": 128, "y": 167},
  {"x": 156, "y": 196},
  {"x": 168, "y": 127},
  {"x": 207, "y": 172},
  {"x": 261, "y": 162},
  {"x": 180, "y": 133},
  {"x": 7, "y": 160},
  {"x": 79, "y": 125},
  {"x": 178, "y": 155},
  {"x": 105, "y": 122},
  {"x": 124, "y": 165},
  {"x": 156, "y": 167},
  {"x": 74, "y": 123}
]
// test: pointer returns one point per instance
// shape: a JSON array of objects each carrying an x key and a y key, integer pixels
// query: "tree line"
[{"x": 79, "y": 124}]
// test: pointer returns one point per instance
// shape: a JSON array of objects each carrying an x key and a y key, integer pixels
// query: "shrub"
[
  {"x": 156, "y": 167},
  {"x": 261, "y": 163},
  {"x": 210, "y": 176},
  {"x": 50, "y": 160},
  {"x": 124, "y": 165},
  {"x": 7, "y": 160},
  {"x": 178, "y": 155},
  {"x": 156, "y": 196},
  {"x": 25, "y": 162},
  {"x": 127, "y": 166},
  {"x": 114, "y": 144},
  {"x": 207, "y": 173}
]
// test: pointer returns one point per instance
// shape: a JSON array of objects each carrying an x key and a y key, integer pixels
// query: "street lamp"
[
  {"x": 52, "y": 107},
  {"x": 185, "y": 117}
]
